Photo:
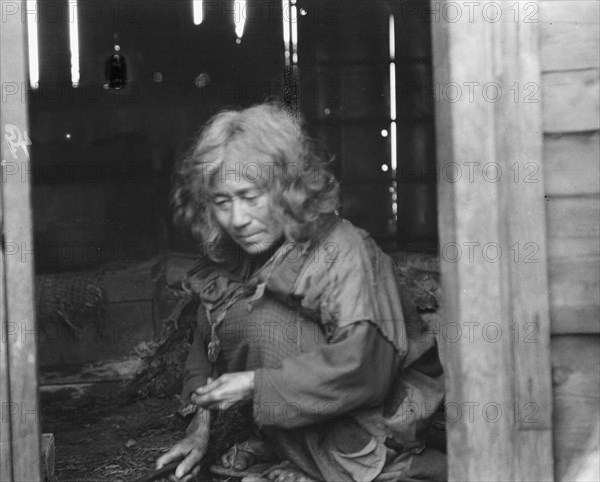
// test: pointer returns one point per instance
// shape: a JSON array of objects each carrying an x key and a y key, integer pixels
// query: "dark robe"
[{"x": 333, "y": 342}]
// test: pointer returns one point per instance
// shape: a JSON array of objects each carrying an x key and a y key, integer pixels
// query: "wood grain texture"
[
  {"x": 571, "y": 164},
  {"x": 574, "y": 263},
  {"x": 573, "y": 218},
  {"x": 571, "y": 101},
  {"x": 503, "y": 292},
  {"x": 574, "y": 296},
  {"x": 537, "y": 443},
  {"x": 523, "y": 210},
  {"x": 570, "y": 34},
  {"x": 588, "y": 466},
  {"x": 18, "y": 265},
  {"x": 5, "y": 420},
  {"x": 576, "y": 378},
  {"x": 522, "y": 203},
  {"x": 471, "y": 290}
]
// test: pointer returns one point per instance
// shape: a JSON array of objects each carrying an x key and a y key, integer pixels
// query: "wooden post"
[
  {"x": 492, "y": 241},
  {"x": 20, "y": 434},
  {"x": 5, "y": 419}
]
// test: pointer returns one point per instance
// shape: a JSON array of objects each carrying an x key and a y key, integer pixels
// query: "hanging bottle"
[{"x": 116, "y": 70}]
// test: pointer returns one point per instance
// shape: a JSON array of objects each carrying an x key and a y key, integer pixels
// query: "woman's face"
[{"x": 242, "y": 205}]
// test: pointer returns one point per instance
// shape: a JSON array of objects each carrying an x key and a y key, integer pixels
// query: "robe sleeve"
[
  {"x": 197, "y": 368},
  {"x": 355, "y": 282},
  {"x": 354, "y": 370}
]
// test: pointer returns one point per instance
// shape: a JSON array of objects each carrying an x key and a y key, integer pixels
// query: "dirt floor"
[{"x": 101, "y": 437}]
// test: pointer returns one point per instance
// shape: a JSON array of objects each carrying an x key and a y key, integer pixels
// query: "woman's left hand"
[{"x": 225, "y": 391}]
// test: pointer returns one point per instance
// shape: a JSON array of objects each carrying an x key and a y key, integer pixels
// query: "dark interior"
[
  {"x": 107, "y": 256},
  {"x": 103, "y": 157}
]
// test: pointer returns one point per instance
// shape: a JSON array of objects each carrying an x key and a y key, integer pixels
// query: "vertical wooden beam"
[
  {"x": 17, "y": 251},
  {"x": 520, "y": 151},
  {"x": 492, "y": 241},
  {"x": 5, "y": 419},
  {"x": 479, "y": 372}
]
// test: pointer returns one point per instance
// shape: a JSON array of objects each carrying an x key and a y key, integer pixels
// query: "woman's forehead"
[{"x": 242, "y": 173}]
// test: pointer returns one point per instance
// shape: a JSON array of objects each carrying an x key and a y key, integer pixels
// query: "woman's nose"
[{"x": 239, "y": 214}]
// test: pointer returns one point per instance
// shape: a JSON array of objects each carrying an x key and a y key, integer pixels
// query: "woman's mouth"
[{"x": 247, "y": 238}]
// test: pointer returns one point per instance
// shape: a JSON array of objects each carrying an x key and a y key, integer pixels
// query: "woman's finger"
[
  {"x": 191, "y": 476},
  {"x": 185, "y": 467},
  {"x": 217, "y": 405},
  {"x": 210, "y": 385},
  {"x": 207, "y": 399},
  {"x": 168, "y": 457}
]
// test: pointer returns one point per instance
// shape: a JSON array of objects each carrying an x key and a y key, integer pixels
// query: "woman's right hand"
[{"x": 192, "y": 448}]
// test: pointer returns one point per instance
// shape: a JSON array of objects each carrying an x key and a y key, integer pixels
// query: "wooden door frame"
[
  {"x": 502, "y": 388},
  {"x": 499, "y": 392},
  {"x": 20, "y": 444}
]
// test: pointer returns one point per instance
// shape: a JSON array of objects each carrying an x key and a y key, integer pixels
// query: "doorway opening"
[{"x": 108, "y": 260}]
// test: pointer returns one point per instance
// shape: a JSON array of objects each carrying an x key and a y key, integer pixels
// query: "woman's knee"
[{"x": 271, "y": 331}]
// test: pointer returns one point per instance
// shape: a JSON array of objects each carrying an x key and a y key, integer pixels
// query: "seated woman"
[{"x": 300, "y": 313}]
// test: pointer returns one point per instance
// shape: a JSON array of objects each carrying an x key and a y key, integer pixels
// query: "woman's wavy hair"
[{"x": 302, "y": 188}]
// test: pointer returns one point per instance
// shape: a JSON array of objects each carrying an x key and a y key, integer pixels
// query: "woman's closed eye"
[
  {"x": 250, "y": 197},
  {"x": 222, "y": 202}
]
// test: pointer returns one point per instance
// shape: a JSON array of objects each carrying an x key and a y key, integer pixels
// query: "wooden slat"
[
  {"x": 570, "y": 34},
  {"x": 537, "y": 443},
  {"x": 18, "y": 266},
  {"x": 468, "y": 369},
  {"x": 574, "y": 264},
  {"x": 504, "y": 292},
  {"x": 526, "y": 297},
  {"x": 574, "y": 296},
  {"x": 571, "y": 101},
  {"x": 576, "y": 376},
  {"x": 573, "y": 218},
  {"x": 588, "y": 467},
  {"x": 569, "y": 320},
  {"x": 571, "y": 164},
  {"x": 5, "y": 421}
]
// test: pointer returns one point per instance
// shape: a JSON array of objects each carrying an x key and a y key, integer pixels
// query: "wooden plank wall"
[{"x": 570, "y": 34}]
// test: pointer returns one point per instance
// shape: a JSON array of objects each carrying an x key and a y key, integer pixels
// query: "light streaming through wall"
[
  {"x": 392, "y": 36},
  {"x": 239, "y": 17},
  {"x": 294, "y": 25},
  {"x": 198, "y": 11},
  {"x": 32, "y": 44},
  {"x": 393, "y": 133},
  {"x": 74, "y": 41},
  {"x": 286, "y": 32},
  {"x": 290, "y": 32}
]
